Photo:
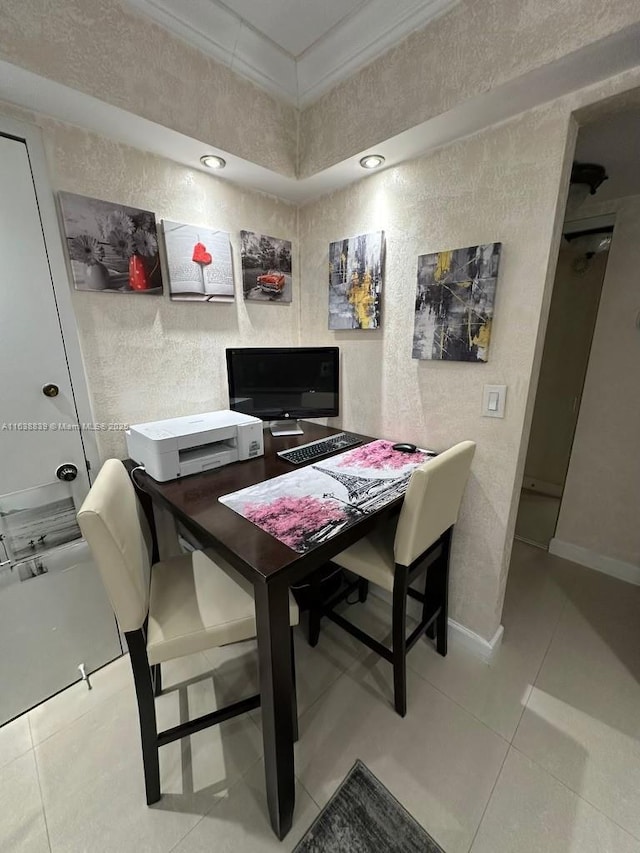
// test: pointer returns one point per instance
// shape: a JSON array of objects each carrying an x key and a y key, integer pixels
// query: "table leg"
[
  {"x": 166, "y": 532},
  {"x": 274, "y": 657}
]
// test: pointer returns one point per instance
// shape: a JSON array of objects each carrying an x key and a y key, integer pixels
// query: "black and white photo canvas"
[
  {"x": 454, "y": 303},
  {"x": 355, "y": 281},
  {"x": 266, "y": 268},
  {"x": 37, "y": 520},
  {"x": 113, "y": 248},
  {"x": 199, "y": 264}
]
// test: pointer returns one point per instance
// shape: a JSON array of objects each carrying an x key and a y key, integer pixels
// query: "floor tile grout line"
[
  {"x": 216, "y": 803},
  {"x": 309, "y": 794},
  {"x": 24, "y": 751},
  {"x": 575, "y": 793},
  {"x": 44, "y": 811},
  {"x": 490, "y": 797},
  {"x": 458, "y": 704},
  {"x": 67, "y": 725},
  {"x": 539, "y": 670}
]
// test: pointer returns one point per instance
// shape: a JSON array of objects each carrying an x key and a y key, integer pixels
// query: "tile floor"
[
  {"x": 537, "y": 517},
  {"x": 538, "y": 752}
]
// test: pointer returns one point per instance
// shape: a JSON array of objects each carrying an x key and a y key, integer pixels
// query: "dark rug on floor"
[{"x": 363, "y": 817}]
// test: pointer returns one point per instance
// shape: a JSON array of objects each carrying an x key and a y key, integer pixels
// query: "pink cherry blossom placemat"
[{"x": 309, "y": 505}]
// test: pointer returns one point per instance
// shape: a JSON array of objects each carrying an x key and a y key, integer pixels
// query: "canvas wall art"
[
  {"x": 112, "y": 247},
  {"x": 355, "y": 281},
  {"x": 199, "y": 263},
  {"x": 266, "y": 268},
  {"x": 454, "y": 303}
]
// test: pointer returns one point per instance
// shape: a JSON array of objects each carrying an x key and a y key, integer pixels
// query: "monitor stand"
[{"x": 288, "y": 427}]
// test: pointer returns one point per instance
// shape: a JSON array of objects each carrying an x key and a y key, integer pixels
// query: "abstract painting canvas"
[
  {"x": 112, "y": 247},
  {"x": 199, "y": 263},
  {"x": 454, "y": 303},
  {"x": 266, "y": 268},
  {"x": 355, "y": 281}
]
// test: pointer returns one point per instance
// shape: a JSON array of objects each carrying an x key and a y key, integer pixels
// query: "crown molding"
[
  {"x": 335, "y": 56},
  {"x": 601, "y": 61},
  {"x": 360, "y": 39},
  {"x": 223, "y": 36}
]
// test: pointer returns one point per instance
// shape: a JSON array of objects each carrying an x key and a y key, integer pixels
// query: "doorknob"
[
  {"x": 50, "y": 390},
  {"x": 67, "y": 472}
]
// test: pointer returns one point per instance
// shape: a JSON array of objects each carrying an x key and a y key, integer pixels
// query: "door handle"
[
  {"x": 67, "y": 472},
  {"x": 50, "y": 390}
]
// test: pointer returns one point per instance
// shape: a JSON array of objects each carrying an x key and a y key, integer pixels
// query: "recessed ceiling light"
[
  {"x": 372, "y": 161},
  {"x": 212, "y": 161}
]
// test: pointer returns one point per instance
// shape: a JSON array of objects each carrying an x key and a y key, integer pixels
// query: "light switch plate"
[{"x": 493, "y": 401}]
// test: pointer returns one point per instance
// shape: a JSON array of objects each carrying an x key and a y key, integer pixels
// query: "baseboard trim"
[
  {"x": 458, "y": 634},
  {"x": 473, "y": 642},
  {"x": 592, "y": 560}
]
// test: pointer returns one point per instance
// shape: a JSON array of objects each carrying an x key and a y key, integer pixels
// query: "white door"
[{"x": 54, "y": 614}]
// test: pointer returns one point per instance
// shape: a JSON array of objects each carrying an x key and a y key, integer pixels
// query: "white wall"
[
  {"x": 501, "y": 185},
  {"x": 600, "y": 509}
]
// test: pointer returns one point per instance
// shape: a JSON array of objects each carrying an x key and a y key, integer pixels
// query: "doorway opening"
[{"x": 577, "y": 288}]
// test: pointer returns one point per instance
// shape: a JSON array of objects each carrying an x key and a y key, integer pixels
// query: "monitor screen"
[{"x": 295, "y": 382}]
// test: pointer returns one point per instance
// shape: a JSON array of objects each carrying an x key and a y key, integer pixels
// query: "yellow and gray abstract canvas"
[
  {"x": 454, "y": 303},
  {"x": 356, "y": 270}
]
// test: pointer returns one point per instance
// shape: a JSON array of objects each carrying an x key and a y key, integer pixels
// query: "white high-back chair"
[
  {"x": 393, "y": 559},
  {"x": 176, "y": 607}
]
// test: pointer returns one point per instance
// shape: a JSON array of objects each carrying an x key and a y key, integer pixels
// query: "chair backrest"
[
  {"x": 432, "y": 501},
  {"x": 112, "y": 521}
]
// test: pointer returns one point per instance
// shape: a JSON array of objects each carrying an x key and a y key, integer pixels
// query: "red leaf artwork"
[{"x": 200, "y": 255}]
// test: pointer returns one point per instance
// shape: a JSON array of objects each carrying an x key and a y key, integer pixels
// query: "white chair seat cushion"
[
  {"x": 197, "y": 602},
  {"x": 372, "y": 557}
]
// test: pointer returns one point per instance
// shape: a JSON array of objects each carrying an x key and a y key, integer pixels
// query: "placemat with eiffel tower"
[{"x": 305, "y": 507}]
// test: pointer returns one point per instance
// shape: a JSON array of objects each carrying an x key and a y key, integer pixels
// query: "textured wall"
[
  {"x": 148, "y": 357},
  {"x": 499, "y": 185},
  {"x": 102, "y": 48},
  {"x": 477, "y": 46},
  {"x": 601, "y": 502}
]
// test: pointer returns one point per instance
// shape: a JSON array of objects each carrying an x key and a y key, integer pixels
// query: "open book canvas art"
[{"x": 199, "y": 263}]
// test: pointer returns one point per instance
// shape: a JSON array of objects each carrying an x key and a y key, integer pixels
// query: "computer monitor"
[{"x": 283, "y": 384}]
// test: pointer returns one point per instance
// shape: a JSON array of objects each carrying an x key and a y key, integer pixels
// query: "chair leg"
[
  {"x": 157, "y": 680},
  {"x": 399, "y": 638},
  {"x": 442, "y": 622},
  {"x": 294, "y": 696},
  {"x": 315, "y": 613},
  {"x": 146, "y": 712},
  {"x": 363, "y": 590},
  {"x": 314, "y": 626}
]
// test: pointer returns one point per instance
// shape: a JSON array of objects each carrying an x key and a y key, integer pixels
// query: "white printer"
[{"x": 180, "y": 446}]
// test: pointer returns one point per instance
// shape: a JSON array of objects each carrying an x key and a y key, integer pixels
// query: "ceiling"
[
  {"x": 614, "y": 143},
  {"x": 295, "y": 49},
  {"x": 295, "y": 25}
]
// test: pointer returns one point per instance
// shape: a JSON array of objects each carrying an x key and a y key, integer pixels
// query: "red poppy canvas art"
[{"x": 112, "y": 247}]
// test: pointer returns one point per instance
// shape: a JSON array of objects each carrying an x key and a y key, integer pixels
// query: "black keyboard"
[{"x": 321, "y": 447}]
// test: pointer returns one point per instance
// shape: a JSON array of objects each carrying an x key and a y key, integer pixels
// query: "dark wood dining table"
[{"x": 272, "y": 568}]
